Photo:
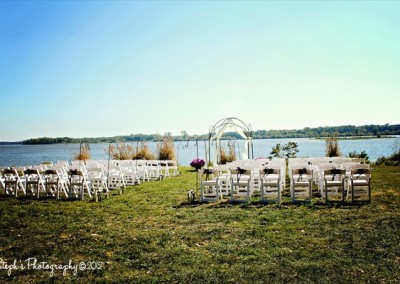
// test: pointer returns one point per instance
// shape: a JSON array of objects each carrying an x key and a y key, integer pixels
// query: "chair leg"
[
  {"x": 326, "y": 192},
  {"x": 342, "y": 190},
  {"x": 369, "y": 191},
  {"x": 279, "y": 194}
]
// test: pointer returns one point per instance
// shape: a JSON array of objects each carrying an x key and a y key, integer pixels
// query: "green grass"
[{"x": 151, "y": 235}]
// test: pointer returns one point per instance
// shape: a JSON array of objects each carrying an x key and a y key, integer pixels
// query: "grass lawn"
[{"x": 151, "y": 235}]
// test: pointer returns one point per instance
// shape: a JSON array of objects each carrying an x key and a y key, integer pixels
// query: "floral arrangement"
[{"x": 197, "y": 163}]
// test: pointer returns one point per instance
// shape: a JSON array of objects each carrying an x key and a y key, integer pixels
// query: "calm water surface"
[{"x": 24, "y": 155}]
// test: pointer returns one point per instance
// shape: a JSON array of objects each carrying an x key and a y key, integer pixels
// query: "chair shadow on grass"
[{"x": 317, "y": 205}]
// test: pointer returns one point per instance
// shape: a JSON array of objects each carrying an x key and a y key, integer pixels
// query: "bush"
[
  {"x": 362, "y": 155},
  {"x": 392, "y": 160}
]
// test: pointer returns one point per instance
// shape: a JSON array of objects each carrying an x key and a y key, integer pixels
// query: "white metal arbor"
[{"x": 232, "y": 124}]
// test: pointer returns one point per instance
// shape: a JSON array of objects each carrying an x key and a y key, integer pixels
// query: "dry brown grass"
[
  {"x": 166, "y": 149},
  {"x": 332, "y": 145},
  {"x": 143, "y": 153},
  {"x": 226, "y": 157},
  {"x": 122, "y": 152},
  {"x": 84, "y": 153}
]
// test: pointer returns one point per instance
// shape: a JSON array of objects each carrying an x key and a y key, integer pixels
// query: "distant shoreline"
[
  {"x": 344, "y": 132},
  {"x": 223, "y": 139},
  {"x": 357, "y": 137}
]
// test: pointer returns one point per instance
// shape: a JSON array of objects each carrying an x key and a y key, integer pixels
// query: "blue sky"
[{"x": 107, "y": 68}]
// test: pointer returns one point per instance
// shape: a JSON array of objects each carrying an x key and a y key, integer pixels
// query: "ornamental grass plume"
[
  {"x": 332, "y": 145},
  {"x": 84, "y": 153},
  {"x": 144, "y": 153},
  {"x": 227, "y": 157},
  {"x": 122, "y": 152},
  {"x": 166, "y": 149}
]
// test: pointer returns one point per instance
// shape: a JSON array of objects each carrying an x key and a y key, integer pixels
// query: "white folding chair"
[
  {"x": 98, "y": 181},
  {"x": 129, "y": 172},
  {"x": 334, "y": 188},
  {"x": 78, "y": 183},
  {"x": 240, "y": 185},
  {"x": 141, "y": 170},
  {"x": 34, "y": 182},
  {"x": 271, "y": 190},
  {"x": 301, "y": 185},
  {"x": 360, "y": 184},
  {"x": 53, "y": 183},
  {"x": 12, "y": 182},
  {"x": 2, "y": 186},
  {"x": 209, "y": 185},
  {"x": 154, "y": 171},
  {"x": 115, "y": 177}
]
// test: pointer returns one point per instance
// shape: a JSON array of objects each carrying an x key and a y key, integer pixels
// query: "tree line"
[{"x": 307, "y": 132}]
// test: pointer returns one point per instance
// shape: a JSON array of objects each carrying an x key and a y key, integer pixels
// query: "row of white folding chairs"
[
  {"x": 132, "y": 172},
  {"x": 319, "y": 165},
  {"x": 337, "y": 178},
  {"x": 257, "y": 164},
  {"x": 52, "y": 179},
  {"x": 32, "y": 180},
  {"x": 85, "y": 177},
  {"x": 239, "y": 184},
  {"x": 323, "y": 162}
]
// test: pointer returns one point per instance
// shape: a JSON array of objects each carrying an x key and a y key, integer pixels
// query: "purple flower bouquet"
[{"x": 197, "y": 163}]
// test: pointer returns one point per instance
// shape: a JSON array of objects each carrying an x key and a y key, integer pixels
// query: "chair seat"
[
  {"x": 241, "y": 183},
  {"x": 301, "y": 183},
  {"x": 210, "y": 182},
  {"x": 271, "y": 182},
  {"x": 334, "y": 183},
  {"x": 360, "y": 182}
]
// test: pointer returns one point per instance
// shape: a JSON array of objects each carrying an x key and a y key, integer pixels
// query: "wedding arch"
[{"x": 230, "y": 124}]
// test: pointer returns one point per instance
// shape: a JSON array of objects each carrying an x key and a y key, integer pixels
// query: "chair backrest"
[
  {"x": 50, "y": 172},
  {"x": 29, "y": 172},
  {"x": 264, "y": 173},
  {"x": 10, "y": 173},
  {"x": 52, "y": 176},
  {"x": 237, "y": 173},
  {"x": 208, "y": 173},
  {"x": 340, "y": 173},
  {"x": 360, "y": 166},
  {"x": 302, "y": 172},
  {"x": 240, "y": 171},
  {"x": 359, "y": 160},
  {"x": 361, "y": 173},
  {"x": 268, "y": 171},
  {"x": 75, "y": 173}
]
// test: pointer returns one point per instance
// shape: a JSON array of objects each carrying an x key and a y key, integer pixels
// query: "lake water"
[{"x": 23, "y": 155}]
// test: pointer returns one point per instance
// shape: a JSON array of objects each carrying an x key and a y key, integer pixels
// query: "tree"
[
  {"x": 290, "y": 149},
  {"x": 184, "y": 134},
  {"x": 277, "y": 151}
]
